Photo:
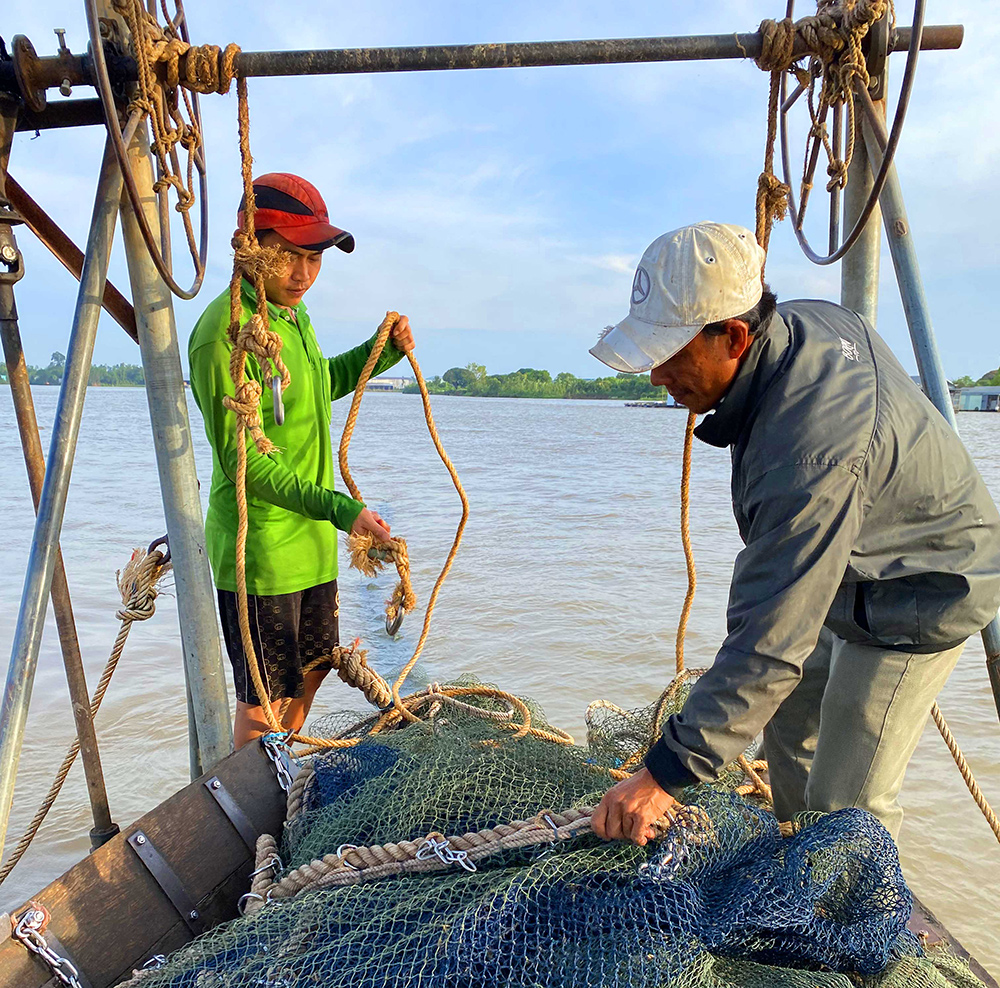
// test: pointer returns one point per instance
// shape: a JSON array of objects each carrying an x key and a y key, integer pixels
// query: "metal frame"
[{"x": 151, "y": 278}]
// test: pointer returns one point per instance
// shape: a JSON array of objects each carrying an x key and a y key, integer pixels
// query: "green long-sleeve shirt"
[{"x": 293, "y": 509}]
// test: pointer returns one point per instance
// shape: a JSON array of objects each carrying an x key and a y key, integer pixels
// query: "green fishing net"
[{"x": 725, "y": 901}]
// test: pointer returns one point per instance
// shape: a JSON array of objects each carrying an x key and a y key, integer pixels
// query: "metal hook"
[
  {"x": 392, "y": 625},
  {"x": 241, "y": 903},
  {"x": 279, "y": 404},
  {"x": 155, "y": 544}
]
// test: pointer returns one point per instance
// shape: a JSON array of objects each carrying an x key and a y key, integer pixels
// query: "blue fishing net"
[{"x": 723, "y": 900}]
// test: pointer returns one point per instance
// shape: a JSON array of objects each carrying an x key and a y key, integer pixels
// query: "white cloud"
[{"x": 519, "y": 200}]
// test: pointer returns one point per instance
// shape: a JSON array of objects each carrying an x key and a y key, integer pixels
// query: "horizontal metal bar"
[
  {"x": 524, "y": 54},
  {"x": 49, "y": 71},
  {"x": 65, "y": 113}
]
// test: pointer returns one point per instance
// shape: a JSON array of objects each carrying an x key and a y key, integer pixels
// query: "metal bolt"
[
  {"x": 140, "y": 839},
  {"x": 216, "y": 784},
  {"x": 66, "y": 87},
  {"x": 899, "y": 228},
  {"x": 60, "y": 33},
  {"x": 8, "y": 254},
  {"x": 193, "y": 914}
]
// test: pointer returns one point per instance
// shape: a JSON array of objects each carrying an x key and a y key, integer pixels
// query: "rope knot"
[
  {"x": 138, "y": 585},
  {"x": 777, "y": 44},
  {"x": 255, "y": 260}
]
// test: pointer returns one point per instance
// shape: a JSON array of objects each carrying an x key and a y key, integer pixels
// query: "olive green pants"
[{"x": 844, "y": 736}]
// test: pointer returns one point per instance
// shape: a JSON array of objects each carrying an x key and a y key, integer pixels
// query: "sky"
[{"x": 504, "y": 210}]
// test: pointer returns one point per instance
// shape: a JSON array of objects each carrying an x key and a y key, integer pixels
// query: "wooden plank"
[
  {"x": 109, "y": 912},
  {"x": 927, "y": 926}
]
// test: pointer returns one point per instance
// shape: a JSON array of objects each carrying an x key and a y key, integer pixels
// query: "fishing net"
[{"x": 720, "y": 899}]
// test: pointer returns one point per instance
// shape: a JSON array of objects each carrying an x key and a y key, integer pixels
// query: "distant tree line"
[
  {"x": 991, "y": 379},
  {"x": 530, "y": 383},
  {"x": 106, "y": 375}
]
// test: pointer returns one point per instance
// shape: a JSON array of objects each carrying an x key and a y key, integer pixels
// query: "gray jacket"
[{"x": 859, "y": 508}]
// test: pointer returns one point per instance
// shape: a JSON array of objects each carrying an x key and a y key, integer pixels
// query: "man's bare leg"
[
  {"x": 298, "y": 709},
  {"x": 250, "y": 722}
]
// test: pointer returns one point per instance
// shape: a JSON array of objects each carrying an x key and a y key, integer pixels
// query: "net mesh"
[{"x": 725, "y": 901}]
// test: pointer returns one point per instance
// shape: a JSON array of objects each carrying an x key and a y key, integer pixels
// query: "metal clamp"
[
  {"x": 28, "y": 930},
  {"x": 437, "y": 846},
  {"x": 233, "y": 811},
  {"x": 13, "y": 260},
  {"x": 167, "y": 879},
  {"x": 277, "y": 750}
]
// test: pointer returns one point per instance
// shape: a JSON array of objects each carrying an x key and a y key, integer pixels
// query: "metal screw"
[
  {"x": 193, "y": 914},
  {"x": 899, "y": 228},
  {"x": 60, "y": 33},
  {"x": 8, "y": 254},
  {"x": 140, "y": 839},
  {"x": 66, "y": 87},
  {"x": 216, "y": 784}
]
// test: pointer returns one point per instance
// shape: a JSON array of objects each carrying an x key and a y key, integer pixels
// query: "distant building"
[
  {"x": 389, "y": 383},
  {"x": 953, "y": 390},
  {"x": 979, "y": 400}
]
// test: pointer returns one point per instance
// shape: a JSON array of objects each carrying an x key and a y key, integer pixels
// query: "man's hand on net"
[
  {"x": 630, "y": 808},
  {"x": 371, "y": 521},
  {"x": 402, "y": 335}
]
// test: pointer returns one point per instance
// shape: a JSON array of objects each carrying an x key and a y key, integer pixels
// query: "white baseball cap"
[{"x": 686, "y": 279}]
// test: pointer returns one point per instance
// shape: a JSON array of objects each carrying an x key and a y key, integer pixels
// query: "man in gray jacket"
[{"x": 872, "y": 547}]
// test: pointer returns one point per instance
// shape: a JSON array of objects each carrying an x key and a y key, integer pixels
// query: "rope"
[
  {"x": 963, "y": 767},
  {"x": 366, "y": 555},
  {"x": 435, "y": 852},
  {"x": 756, "y": 785},
  {"x": 168, "y": 68},
  {"x": 832, "y": 38},
  {"x": 255, "y": 337},
  {"x": 137, "y": 584}
]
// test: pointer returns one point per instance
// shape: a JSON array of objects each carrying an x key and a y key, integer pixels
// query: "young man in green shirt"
[{"x": 294, "y": 511}]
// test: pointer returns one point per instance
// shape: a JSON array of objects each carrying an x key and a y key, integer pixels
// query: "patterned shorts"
[{"x": 292, "y": 633}]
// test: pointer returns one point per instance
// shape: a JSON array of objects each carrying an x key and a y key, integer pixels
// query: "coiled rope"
[{"x": 138, "y": 584}]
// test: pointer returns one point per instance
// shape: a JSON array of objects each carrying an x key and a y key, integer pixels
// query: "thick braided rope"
[
  {"x": 363, "y": 864},
  {"x": 137, "y": 584},
  {"x": 963, "y": 767}
]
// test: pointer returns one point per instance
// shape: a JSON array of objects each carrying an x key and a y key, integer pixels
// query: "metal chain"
[
  {"x": 277, "y": 750},
  {"x": 28, "y": 930}
]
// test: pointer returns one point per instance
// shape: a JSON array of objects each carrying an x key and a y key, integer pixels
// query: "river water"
[{"x": 567, "y": 589}]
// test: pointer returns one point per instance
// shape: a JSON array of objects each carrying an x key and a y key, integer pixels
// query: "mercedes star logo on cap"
[{"x": 640, "y": 287}]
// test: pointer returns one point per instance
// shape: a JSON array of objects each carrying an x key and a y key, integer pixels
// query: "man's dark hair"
[
  {"x": 755, "y": 318},
  {"x": 260, "y": 234}
]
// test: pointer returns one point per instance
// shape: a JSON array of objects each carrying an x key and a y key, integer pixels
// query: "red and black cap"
[{"x": 295, "y": 210}]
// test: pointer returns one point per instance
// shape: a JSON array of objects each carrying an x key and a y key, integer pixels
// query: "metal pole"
[
  {"x": 48, "y": 72},
  {"x": 211, "y": 732},
  {"x": 918, "y": 319},
  {"x": 17, "y": 375},
  {"x": 524, "y": 54},
  {"x": 24, "y": 409},
  {"x": 41, "y": 563},
  {"x": 859, "y": 270}
]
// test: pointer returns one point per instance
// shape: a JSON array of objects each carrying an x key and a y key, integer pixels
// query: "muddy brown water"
[{"x": 567, "y": 589}]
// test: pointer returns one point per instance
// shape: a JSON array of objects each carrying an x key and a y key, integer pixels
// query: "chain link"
[{"x": 28, "y": 930}]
